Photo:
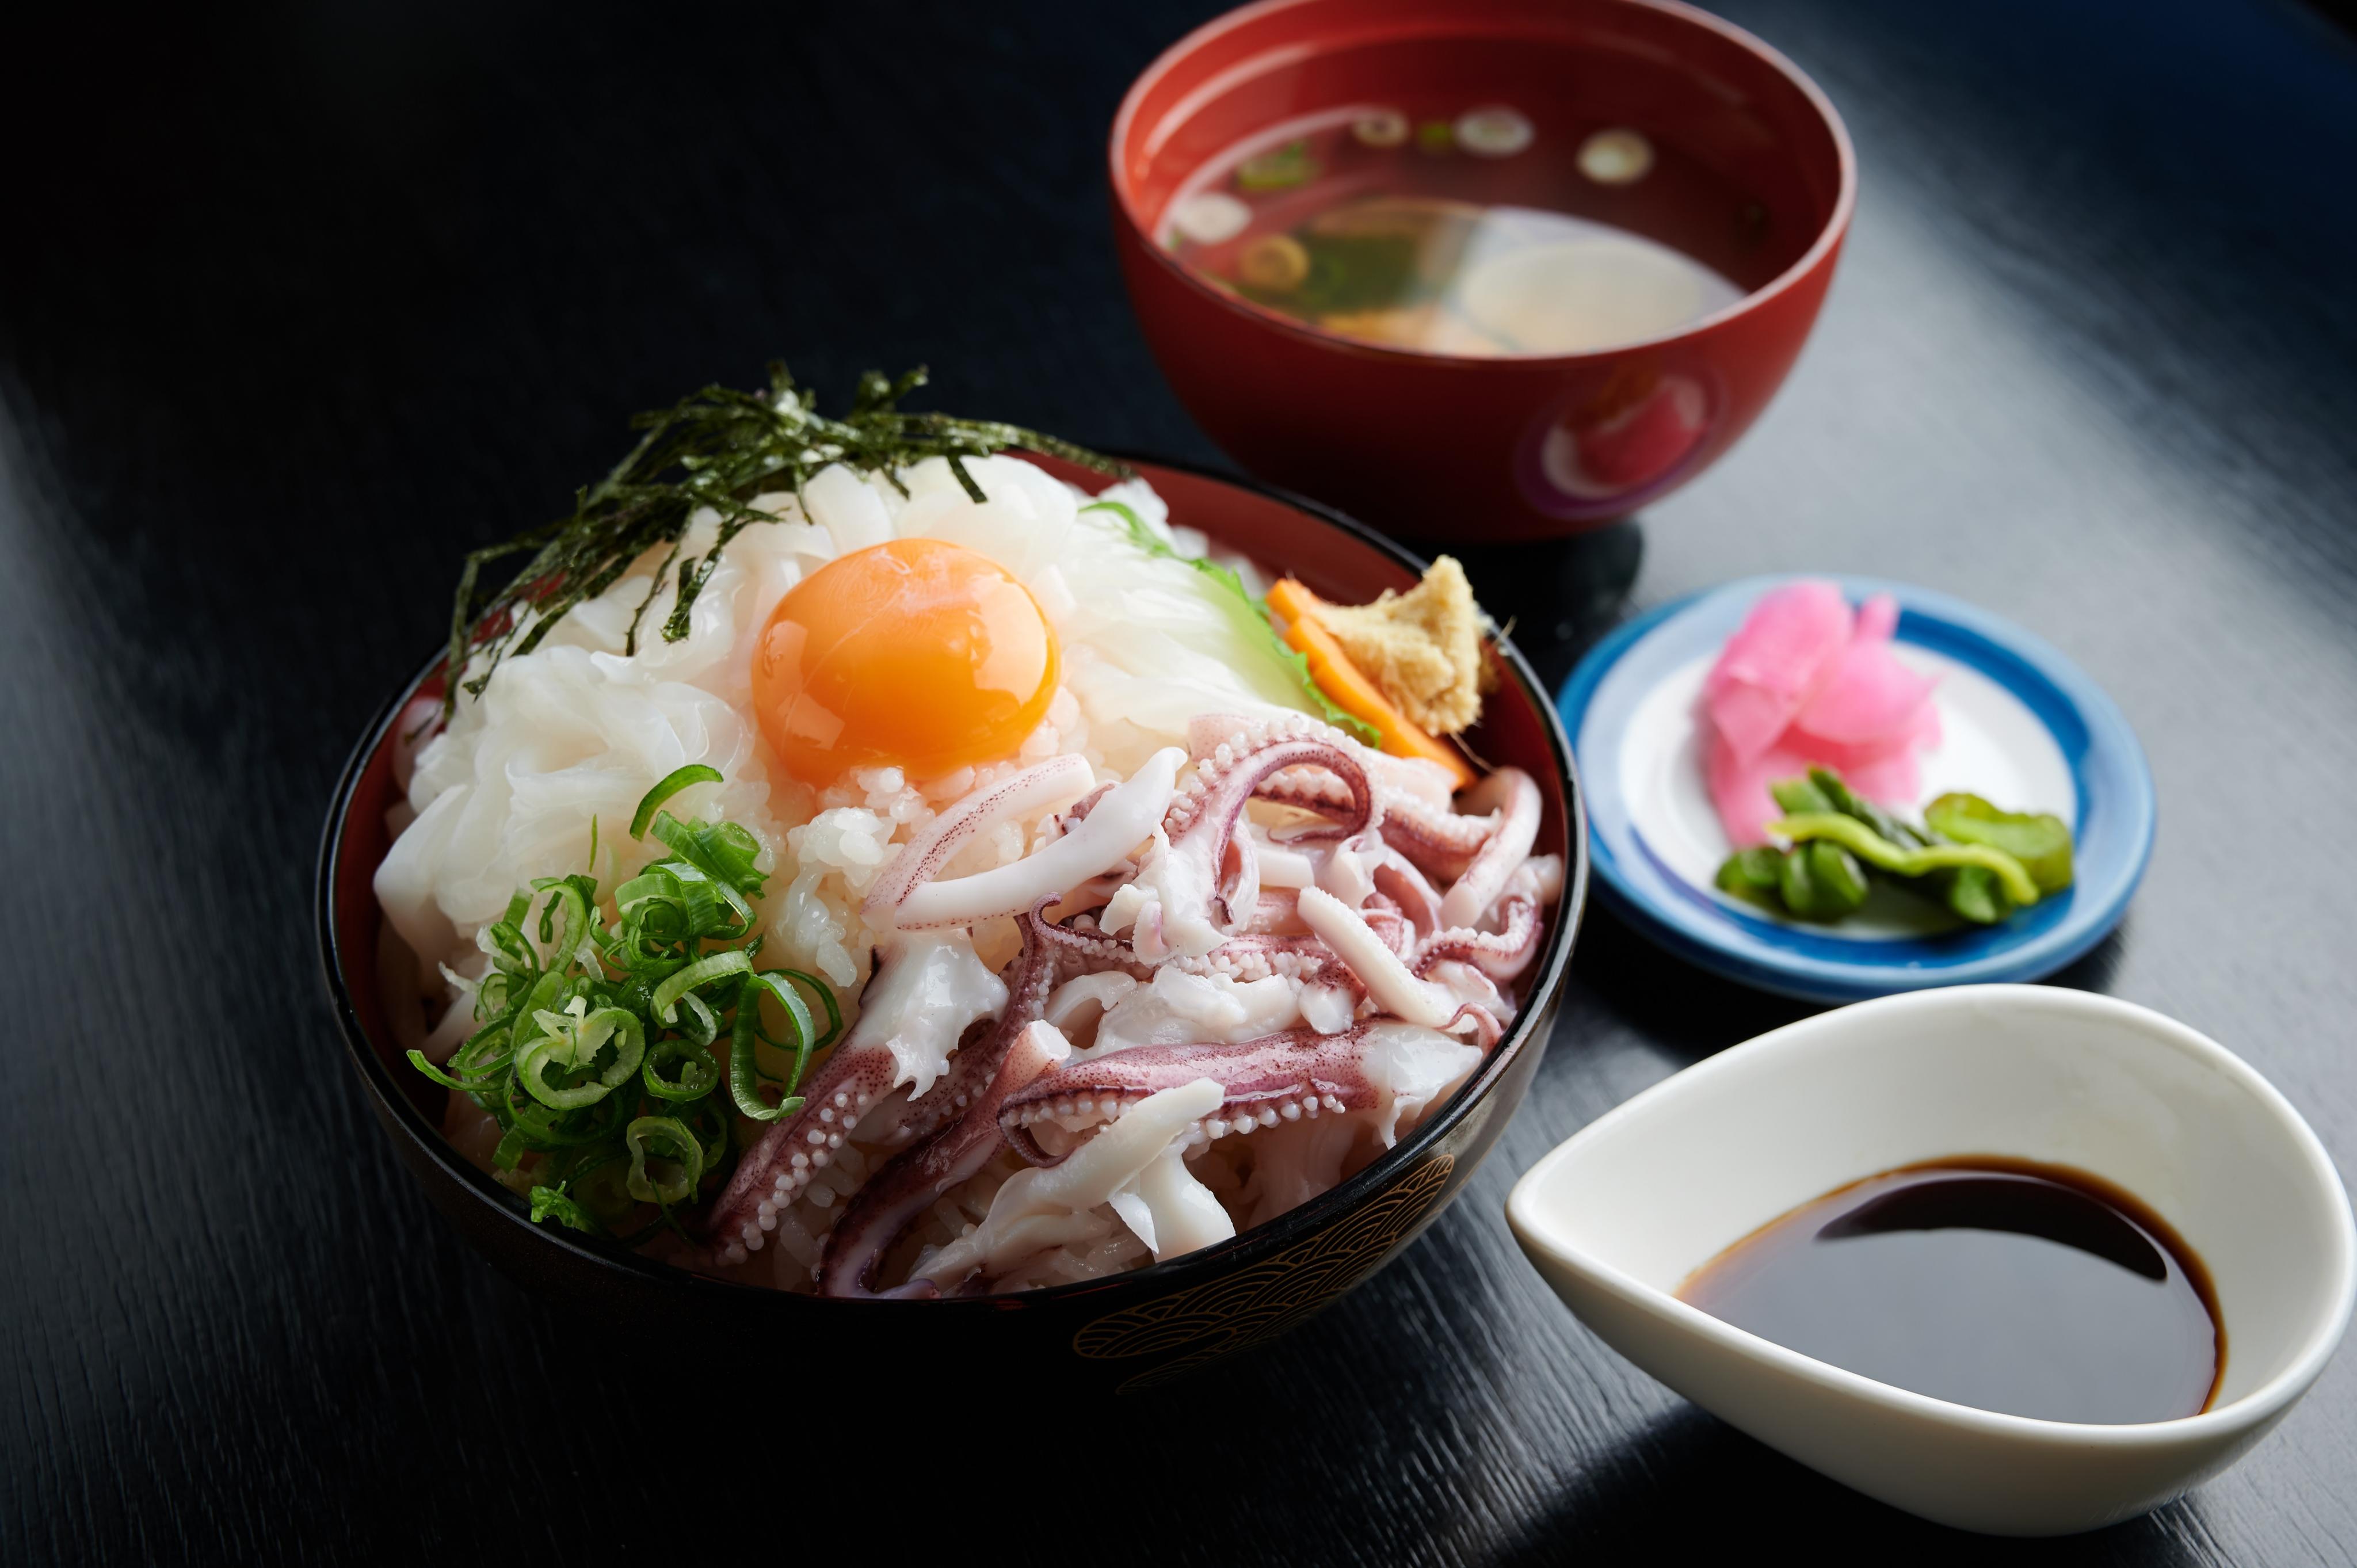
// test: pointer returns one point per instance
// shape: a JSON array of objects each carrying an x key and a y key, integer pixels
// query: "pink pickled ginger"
[
  {"x": 1804, "y": 682},
  {"x": 1774, "y": 664}
]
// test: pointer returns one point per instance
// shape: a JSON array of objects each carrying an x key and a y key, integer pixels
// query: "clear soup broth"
[{"x": 1479, "y": 230}]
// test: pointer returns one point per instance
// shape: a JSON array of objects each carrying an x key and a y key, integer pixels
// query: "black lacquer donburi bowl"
[{"x": 1125, "y": 1332}]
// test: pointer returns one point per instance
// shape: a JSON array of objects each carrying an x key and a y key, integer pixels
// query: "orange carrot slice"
[{"x": 1349, "y": 686}]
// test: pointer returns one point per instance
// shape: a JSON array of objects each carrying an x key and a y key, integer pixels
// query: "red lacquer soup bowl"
[
  {"x": 1441, "y": 446},
  {"x": 1125, "y": 1331}
]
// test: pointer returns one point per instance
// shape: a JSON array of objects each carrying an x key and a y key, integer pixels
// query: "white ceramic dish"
[{"x": 1617, "y": 1217}]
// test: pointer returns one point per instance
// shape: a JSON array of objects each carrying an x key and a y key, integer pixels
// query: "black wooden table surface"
[{"x": 295, "y": 308}]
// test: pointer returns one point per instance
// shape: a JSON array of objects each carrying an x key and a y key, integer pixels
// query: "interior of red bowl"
[
  {"x": 1517, "y": 727},
  {"x": 360, "y": 848},
  {"x": 1754, "y": 159}
]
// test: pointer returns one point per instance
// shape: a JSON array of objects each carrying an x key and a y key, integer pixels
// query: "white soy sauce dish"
[
  {"x": 2022, "y": 726},
  {"x": 1619, "y": 1217}
]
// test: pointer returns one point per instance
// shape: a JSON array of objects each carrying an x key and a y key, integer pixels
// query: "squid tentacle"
[
  {"x": 1518, "y": 808},
  {"x": 772, "y": 1173},
  {"x": 1278, "y": 1077},
  {"x": 965, "y": 1134},
  {"x": 1054, "y": 782},
  {"x": 1502, "y": 954}
]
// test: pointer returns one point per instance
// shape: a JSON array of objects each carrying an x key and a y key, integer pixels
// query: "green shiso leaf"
[
  {"x": 1251, "y": 617},
  {"x": 718, "y": 448}
]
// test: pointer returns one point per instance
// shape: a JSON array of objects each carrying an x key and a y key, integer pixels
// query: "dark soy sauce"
[{"x": 2032, "y": 1289}]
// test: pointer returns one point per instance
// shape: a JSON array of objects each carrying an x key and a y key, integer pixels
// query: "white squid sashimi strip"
[
  {"x": 1178, "y": 1008},
  {"x": 1295, "y": 1164},
  {"x": 1168, "y": 907},
  {"x": 405, "y": 882},
  {"x": 1281, "y": 865},
  {"x": 1328, "y": 1009},
  {"x": 847, "y": 506},
  {"x": 1169, "y": 1210},
  {"x": 1388, "y": 981},
  {"x": 1115, "y": 826},
  {"x": 1059, "y": 781},
  {"x": 458, "y": 1023},
  {"x": 1539, "y": 878},
  {"x": 1348, "y": 873},
  {"x": 928, "y": 990},
  {"x": 1413, "y": 1069},
  {"x": 1038, "y": 1207},
  {"x": 1102, "y": 991}
]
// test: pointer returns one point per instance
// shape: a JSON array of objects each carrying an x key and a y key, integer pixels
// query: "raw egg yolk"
[{"x": 913, "y": 654}]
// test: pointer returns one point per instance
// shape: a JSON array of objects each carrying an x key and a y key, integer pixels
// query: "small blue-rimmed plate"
[{"x": 2021, "y": 725}]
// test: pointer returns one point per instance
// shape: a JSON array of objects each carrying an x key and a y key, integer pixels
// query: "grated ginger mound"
[{"x": 1422, "y": 648}]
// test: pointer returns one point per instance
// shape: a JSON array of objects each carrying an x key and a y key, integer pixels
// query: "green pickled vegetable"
[
  {"x": 1974, "y": 893},
  {"x": 1876, "y": 850},
  {"x": 1980, "y": 862},
  {"x": 1754, "y": 875},
  {"x": 2038, "y": 840},
  {"x": 1795, "y": 796},
  {"x": 1840, "y": 798},
  {"x": 1820, "y": 880}
]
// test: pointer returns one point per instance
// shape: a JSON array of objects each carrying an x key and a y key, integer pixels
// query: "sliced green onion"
[
  {"x": 550, "y": 1203},
  {"x": 699, "y": 895},
  {"x": 598, "y": 1179},
  {"x": 745, "y": 1076},
  {"x": 825, "y": 995},
  {"x": 545, "y": 1129},
  {"x": 575, "y": 1039},
  {"x": 657, "y": 914},
  {"x": 417, "y": 1059},
  {"x": 492, "y": 994},
  {"x": 699, "y": 1072},
  {"x": 597, "y": 1047},
  {"x": 649, "y": 1133},
  {"x": 802, "y": 1045},
  {"x": 510, "y": 951},
  {"x": 724, "y": 851},
  {"x": 673, "y": 783},
  {"x": 703, "y": 972},
  {"x": 565, "y": 899},
  {"x": 710, "y": 1122},
  {"x": 511, "y": 1149},
  {"x": 703, "y": 1025}
]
